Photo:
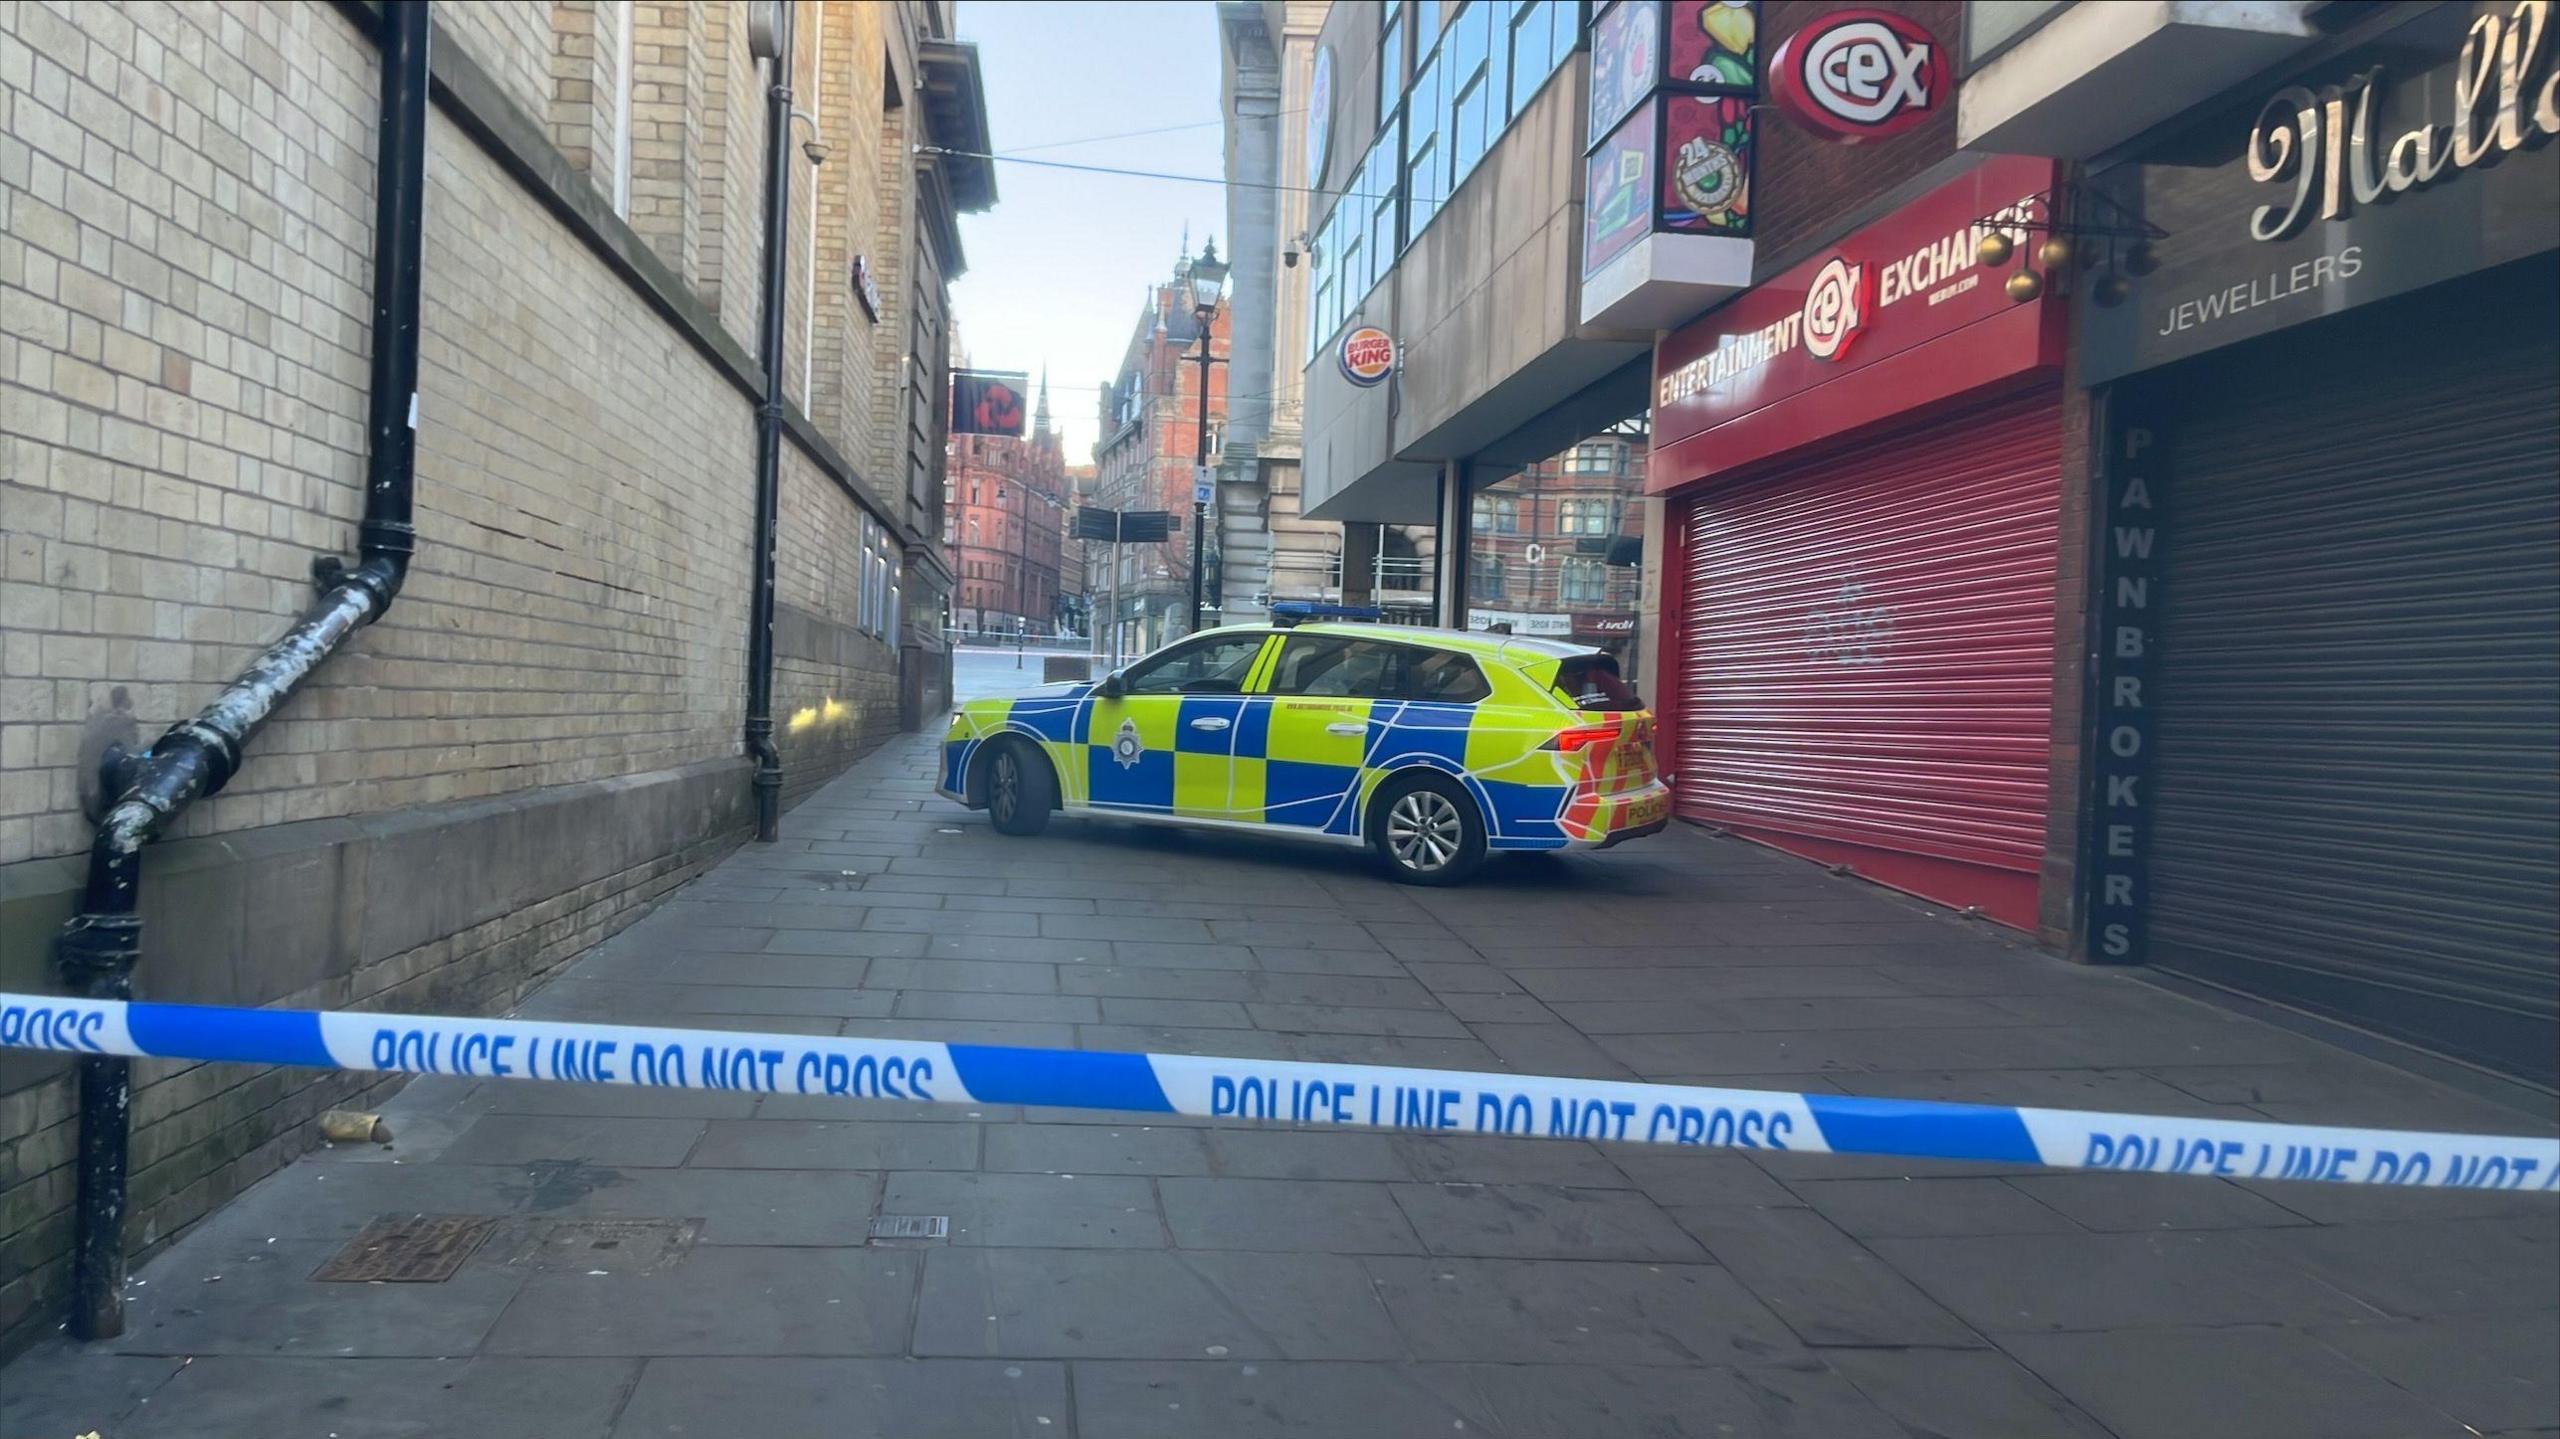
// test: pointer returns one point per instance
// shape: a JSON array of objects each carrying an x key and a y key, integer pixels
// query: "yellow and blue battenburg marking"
[{"x": 1545, "y": 778}]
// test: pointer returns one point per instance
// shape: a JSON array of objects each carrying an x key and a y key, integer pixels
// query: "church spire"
[{"x": 1040, "y": 415}]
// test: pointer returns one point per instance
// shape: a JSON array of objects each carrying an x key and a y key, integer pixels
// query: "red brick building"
[
  {"x": 1145, "y": 459},
  {"x": 1005, "y": 515},
  {"x": 1557, "y": 546},
  {"x": 1075, "y": 603}
]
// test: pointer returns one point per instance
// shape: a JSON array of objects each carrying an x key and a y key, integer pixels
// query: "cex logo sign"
[
  {"x": 1859, "y": 75},
  {"x": 1835, "y": 307}
]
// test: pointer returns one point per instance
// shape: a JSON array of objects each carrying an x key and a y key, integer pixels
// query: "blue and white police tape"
[{"x": 1380, "y": 1096}]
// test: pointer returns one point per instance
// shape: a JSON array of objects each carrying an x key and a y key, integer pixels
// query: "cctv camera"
[
  {"x": 1289, "y": 257},
  {"x": 816, "y": 152}
]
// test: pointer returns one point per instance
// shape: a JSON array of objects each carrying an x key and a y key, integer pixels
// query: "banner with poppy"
[{"x": 989, "y": 402}]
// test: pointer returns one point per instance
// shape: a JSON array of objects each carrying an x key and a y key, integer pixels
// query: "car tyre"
[
  {"x": 1021, "y": 789},
  {"x": 1427, "y": 830}
]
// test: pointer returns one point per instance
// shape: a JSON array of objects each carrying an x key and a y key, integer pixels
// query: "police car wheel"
[
  {"x": 1428, "y": 832},
  {"x": 1020, "y": 791}
]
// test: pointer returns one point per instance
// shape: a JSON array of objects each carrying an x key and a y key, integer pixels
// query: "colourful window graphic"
[
  {"x": 1706, "y": 178},
  {"x": 1626, "y": 44},
  {"x": 1618, "y": 191},
  {"x": 1714, "y": 42}
]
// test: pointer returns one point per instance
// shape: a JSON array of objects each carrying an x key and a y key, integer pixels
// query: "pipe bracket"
[{"x": 96, "y": 954}]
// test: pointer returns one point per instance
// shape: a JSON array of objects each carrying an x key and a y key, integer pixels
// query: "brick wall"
[
  {"x": 667, "y": 84},
  {"x": 735, "y": 100},
  {"x": 512, "y": 40},
  {"x": 184, "y": 355},
  {"x": 186, "y": 411},
  {"x": 798, "y": 278},
  {"x": 853, "y": 347},
  {"x": 835, "y": 690},
  {"x": 1804, "y": 187},
  {"x": 581, "y": 104},
  {"x": 544, "y": 733}
]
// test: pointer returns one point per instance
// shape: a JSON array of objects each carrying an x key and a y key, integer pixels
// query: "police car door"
[
  {"x": 1316, "y": 736},
  {"x": 1167, "y": 745}
]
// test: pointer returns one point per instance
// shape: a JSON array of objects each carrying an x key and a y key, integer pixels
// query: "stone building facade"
[
  {"x": 544, "y": 733},
  {"x": 1272, "y": 551}
]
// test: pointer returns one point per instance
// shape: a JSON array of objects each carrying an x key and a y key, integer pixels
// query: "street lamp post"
[{"x": 1208, "y": 286}]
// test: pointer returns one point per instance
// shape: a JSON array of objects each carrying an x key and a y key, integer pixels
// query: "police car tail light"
[{"x": 1574, "y": 741}]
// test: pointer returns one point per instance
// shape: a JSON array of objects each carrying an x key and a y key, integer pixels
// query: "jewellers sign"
[
  {"x": 1899, "y": 315},
  {"x": 2419, "y": 158}
]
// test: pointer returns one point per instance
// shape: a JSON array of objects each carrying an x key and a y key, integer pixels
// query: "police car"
[{"x": 1433, "y": 747}]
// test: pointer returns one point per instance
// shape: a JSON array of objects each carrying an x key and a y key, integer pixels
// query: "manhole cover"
[
  {"x": 407, "y": 1249},
  {"x": 612, "y": 1246},
  {"x": 910, "y": 1226}
]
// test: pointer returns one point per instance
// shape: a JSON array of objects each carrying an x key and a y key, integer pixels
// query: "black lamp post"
[{"x": 1208, "y": 287}]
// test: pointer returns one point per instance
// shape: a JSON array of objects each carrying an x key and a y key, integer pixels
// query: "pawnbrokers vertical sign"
[{"x": 2126, "y": 642}]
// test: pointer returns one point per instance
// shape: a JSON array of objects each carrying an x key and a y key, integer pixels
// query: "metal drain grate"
[
  {"x": 910, "y": 1226},
  {"x": 407, "y": 1249},
  {"x": 607, "y": 1246}
]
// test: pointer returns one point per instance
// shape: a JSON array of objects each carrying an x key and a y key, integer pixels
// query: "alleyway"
[{"x": 1112, "y": 1278}]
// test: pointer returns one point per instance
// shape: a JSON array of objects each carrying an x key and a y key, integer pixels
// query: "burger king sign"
[{"x": 1368, "y": 356}]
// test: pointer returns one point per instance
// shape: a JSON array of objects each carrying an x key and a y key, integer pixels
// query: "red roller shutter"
[{"x": 1865, "y": 666}]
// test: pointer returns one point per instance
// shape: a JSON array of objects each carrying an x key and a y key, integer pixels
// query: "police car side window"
[
  {"x": 1445, "y": 678},
  {"x": 1322, "y": 666},
  {"x": 1216, "y": 666}
]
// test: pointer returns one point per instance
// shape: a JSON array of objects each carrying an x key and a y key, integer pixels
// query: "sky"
[{"x": 1059, "y": 269}]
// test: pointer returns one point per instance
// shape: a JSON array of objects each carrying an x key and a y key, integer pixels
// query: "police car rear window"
[
  {"x": 1446, "y": 678},
  {"x": 1591, "y": 682}
]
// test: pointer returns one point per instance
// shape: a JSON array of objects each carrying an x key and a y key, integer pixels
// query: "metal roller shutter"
[
  {"x": 1865, "y": 668},
  {"x": 2357, "y": 726}
]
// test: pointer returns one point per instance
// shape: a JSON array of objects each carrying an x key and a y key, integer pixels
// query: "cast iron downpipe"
[
  {"x": 777, "y": 234},
  {"x": 99, "y": 946}
]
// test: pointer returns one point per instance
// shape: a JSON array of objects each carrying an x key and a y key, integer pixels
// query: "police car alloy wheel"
[
  {"x": 1019, "y": 791},
  {"x": 1428, "y": 832}
]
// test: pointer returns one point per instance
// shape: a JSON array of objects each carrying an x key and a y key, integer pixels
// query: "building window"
[
  {"x": 1592, "y": 458},
  {"x": 1583, "y": 517},
  {"x": 1474, "y": 83},
  {"x": 1391, "y": 60},
  {"x": 1426, "y": 158},
  {"x": 1484, "y": 576},
  {"x": 1541, "y": 36},
  {"x": 1584, "y": 582},
  {"x": 1378, "y": 179}
]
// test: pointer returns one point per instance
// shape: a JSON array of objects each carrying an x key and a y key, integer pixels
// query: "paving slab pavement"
[{"x": 668, "y": 1263}]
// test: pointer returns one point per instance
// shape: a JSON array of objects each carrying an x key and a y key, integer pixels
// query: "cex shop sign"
[
  {"x": 1898, "y": 315},
  {"x": 1860, "y": 75}
]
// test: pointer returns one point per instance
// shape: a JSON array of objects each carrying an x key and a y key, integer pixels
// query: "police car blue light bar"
[
  {"x": 1298, "y": 612},
  {"x": 1297, "y": 1092}
]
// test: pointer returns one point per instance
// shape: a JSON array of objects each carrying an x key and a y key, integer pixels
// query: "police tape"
[{"x": 1302, "y": 1092}]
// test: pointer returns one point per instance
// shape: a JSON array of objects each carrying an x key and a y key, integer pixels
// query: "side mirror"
[{"x": 1113, "y": 687}]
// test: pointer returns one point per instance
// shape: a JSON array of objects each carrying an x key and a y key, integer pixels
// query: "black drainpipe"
[
  {"x": 98, "y": 947},
  {"x": 777, "y": 235}
]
